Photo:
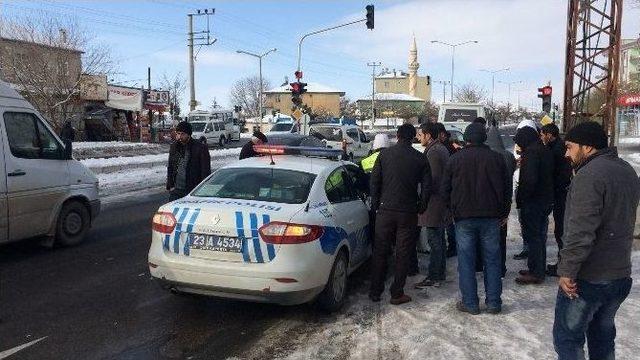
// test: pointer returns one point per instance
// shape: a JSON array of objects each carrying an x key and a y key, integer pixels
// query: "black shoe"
[
  {"x": 427, "y": 283},
  {"x": 374, "y": 298},
  {"x": 552, "y": 270},
  {"x": 523, "y": 255},
  {"x": 494, "y": 311},
  {"x": 460, "y": 306}
]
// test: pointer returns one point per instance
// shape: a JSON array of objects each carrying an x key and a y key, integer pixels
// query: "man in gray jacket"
[
  {"x": 595, "y": 263},
  {"x": 436, "y": 218}
]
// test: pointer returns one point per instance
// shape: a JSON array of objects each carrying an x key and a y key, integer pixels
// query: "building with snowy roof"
[
  {"x": 392, "y": 105},
  {"x": 320, "y": 98}
]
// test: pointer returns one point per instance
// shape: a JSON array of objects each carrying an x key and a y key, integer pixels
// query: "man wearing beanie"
[
  {"x": 476, "y": 190},
  {"x": 247, "y": 151},
  {"x": 189, "y": 163},
  {"x": 534, "y": 198},
  {"x": 595, "y": 262}
]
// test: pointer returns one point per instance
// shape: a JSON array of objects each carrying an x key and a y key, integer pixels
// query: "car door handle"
[{"x": 17, "y": 173}]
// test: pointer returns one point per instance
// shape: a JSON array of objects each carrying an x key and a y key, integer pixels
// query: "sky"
[{"x": 526, "y": 36}]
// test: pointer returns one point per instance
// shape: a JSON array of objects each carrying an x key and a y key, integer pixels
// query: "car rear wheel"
[
  {"x": 332, "y": 297},
  {"x": 73, "y": 223}
]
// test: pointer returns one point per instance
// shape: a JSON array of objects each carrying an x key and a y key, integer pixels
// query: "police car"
[{"x": 286, "y": 227}]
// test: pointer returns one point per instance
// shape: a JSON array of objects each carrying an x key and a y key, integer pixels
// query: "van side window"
[{"x": 29, "y": 138}]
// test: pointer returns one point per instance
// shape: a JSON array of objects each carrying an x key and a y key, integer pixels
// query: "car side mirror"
[{"x": 68, "y": 150}]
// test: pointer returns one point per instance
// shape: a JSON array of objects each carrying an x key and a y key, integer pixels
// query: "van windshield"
[
  {"x": 262, "y": 184},
  {"x": 463, "y": 115},
  {"x": 198, "y": 126},
  {"x": 328, "y": 133}
]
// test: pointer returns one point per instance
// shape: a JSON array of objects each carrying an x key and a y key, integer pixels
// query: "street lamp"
[
  {"x": 509, "y": 83},
  {"x": 453, "y": 55},
  {"x": 493, "y": 79},
  {"x": 260, "y": 66}
]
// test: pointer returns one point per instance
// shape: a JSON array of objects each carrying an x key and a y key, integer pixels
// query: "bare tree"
[
  {"x": 176, "y": 85},
  {"x": 430, "y": 112},
  {"x": 348, "y": 108},
  {"x": 244, "y": 93},
  {"x": 45, "y": 60},
  {"x": 470, "y": 92}
]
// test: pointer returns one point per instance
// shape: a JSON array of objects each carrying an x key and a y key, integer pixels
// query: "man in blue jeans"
[
  {"x": 475, "y": 187},
  {"x": 595, "y": 262}
]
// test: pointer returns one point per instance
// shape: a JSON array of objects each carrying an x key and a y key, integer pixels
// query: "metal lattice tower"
[{"x": 592, "y": 62}]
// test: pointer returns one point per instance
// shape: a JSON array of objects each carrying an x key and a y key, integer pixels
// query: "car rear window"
[
  {"x": 328, "y": 133},
  {"x": 272, "y": 185},
  {"x": 466, "y": 115}
]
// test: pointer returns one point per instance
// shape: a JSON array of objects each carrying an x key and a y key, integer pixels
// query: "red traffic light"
[
  {"x": 545, "y": 91},
  {"x": 295, "y": 88},
  {"x": 298, "y": 75}
]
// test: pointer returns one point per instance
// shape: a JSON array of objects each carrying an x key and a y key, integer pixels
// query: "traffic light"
[
  {"x": 369, "y": 17},
  {"x": 545, "y": 94},
  {"x": 297, "y": 89}
]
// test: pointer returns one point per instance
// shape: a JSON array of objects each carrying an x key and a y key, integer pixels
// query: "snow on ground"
[
  {"x": 148, "y": 159},
  {"x": 430, "y": 327}
]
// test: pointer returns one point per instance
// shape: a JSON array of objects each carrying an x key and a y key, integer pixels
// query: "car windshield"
[
  {"x": 282, "y": 127},
  {"x": 262, "y": 184},
  {"x": 466, "y": 115},
  {"x": 328, "y": 133},
  {"x": 198, "y": 126}
]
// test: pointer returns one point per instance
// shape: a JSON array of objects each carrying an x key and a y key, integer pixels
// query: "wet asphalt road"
[{"x": 97, "y": 301}]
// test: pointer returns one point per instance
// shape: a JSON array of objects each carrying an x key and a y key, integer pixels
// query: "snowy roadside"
[{"x": 431, "y": 328}]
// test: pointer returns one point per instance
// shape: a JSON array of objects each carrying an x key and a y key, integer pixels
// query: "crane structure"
[{"x": 592, "y": 62}]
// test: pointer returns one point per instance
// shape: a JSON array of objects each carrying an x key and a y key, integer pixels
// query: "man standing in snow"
[
  {"x": 189, "y": 163},
  {"x": 595, "y": 262},
  {"x": 475, "y": 187}
]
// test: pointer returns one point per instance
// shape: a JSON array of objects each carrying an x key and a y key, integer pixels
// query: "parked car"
[
  {"x": 349, "y": 138},
  {"x": 43, "y": 190}
]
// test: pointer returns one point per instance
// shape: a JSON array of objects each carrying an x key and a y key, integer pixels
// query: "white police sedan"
[{"x": 285, "y": 228}]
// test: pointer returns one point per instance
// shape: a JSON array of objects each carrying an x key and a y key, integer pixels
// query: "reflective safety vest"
[{"x": 368, "y": 162}]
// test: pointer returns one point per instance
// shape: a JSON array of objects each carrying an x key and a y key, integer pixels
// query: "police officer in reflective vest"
[{"x": 380, "y": 142}]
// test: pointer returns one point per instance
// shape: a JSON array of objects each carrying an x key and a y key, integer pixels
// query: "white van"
[
  {"x": 209, "y": 132},
  {"x": 460, "y": 115},
  {"x": 346, "y": 137},
  {"x": 43, "y": 190}
]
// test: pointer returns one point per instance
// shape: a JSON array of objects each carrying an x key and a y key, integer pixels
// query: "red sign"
[{"x": 629, "y": 100}]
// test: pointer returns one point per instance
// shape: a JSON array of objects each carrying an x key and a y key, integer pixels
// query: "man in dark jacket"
[
  {"x": 595, "y": 262},
  {"x": 436, "y": 218},
  {"x": 475, "y": 187},
  {"x": 550, "y": 135},
  {"x": 395, "y": 178},
  {"x": 534, "y": 198},
  {"x": 247, "y": 150},
  {"x": 189, "y": 163}
]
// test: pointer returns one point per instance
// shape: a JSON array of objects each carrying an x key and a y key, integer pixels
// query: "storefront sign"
[
  {"x": 629, "y": 100},
  {"x": 155, "y": 97},
  {"x": 124, "y": 98}
]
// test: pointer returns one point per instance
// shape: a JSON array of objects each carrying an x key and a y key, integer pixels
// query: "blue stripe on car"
[
  {"x": 167, "y": 238},
  {"x": 240, "y": 229},
  {"x": 271, "y": 250},
  {"x": 178, "y": 232},
  {"x": 254, "y": 234},
  {"x": 192, "y": 221}
]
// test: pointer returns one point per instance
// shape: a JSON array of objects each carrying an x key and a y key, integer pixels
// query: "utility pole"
[
  {"x": 205, "y": 41},
  {"x": 453, "y": 56},
  {"x": 260, "y": 76},
  {"x": 373, "y": 66},
  {"x": 493, "y": 80},
  {"x": 444, "y": 88}
]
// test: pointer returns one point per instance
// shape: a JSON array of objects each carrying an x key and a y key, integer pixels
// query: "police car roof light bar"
[{"x": 297, "y": 150}]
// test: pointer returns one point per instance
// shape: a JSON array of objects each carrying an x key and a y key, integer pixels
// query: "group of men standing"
[{"x": 592, "y": 193}]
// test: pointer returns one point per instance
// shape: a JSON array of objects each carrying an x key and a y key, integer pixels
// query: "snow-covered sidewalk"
[{"x": 430, "y": 327}]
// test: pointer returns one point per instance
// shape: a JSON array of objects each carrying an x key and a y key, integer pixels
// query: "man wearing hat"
[
  {"x": 247, "y": 151},
  {"x": 475, "y": 188},
  {"x": 189, "y": 163},
  {"x": 595, "y": 262}
]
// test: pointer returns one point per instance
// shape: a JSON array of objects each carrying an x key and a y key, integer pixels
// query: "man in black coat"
[
  {"x": 247, "y": 150},
  {"x": 550, "y": 135},
  {"x": 395, "y": 178},
  {"x": 189, "y": 163},
  {"x": 534, "y": 199}
]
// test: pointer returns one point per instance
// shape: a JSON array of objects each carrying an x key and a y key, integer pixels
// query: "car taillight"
[
  {"x": 164, "y": 222},
  {"x": 286, "y": 233}
]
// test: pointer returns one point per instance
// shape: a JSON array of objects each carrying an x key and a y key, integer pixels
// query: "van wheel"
[
  {"x": 73, "y": 223},
  {"x": 221, "y": 142},
  {"x": 332, "y": 297}
]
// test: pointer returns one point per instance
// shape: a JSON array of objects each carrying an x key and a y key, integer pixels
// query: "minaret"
[{"x": 413, "y": 67}]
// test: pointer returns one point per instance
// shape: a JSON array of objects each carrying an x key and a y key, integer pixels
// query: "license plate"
[{"x": 215, "y": 243}]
